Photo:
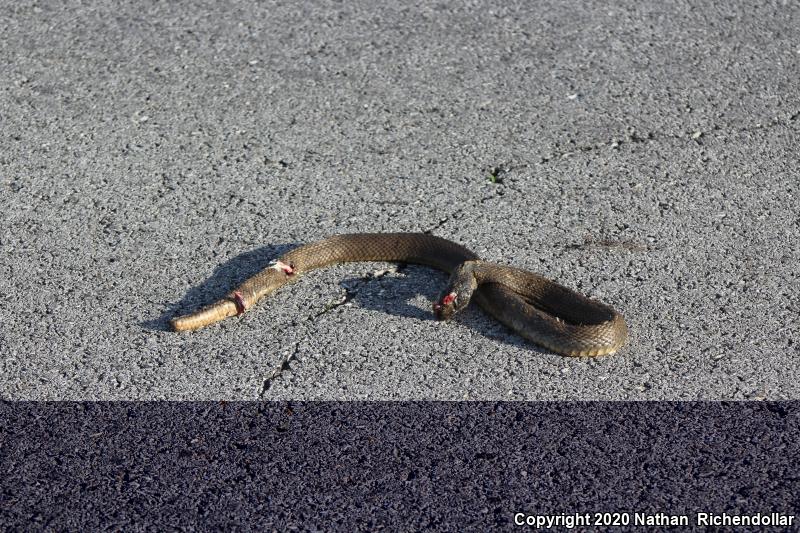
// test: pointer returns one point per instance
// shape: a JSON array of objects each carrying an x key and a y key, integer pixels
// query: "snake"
[{"x": 541, "y": 310}]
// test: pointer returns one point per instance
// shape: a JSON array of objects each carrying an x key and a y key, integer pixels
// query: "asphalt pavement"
[{"x": 152, "y": 156}]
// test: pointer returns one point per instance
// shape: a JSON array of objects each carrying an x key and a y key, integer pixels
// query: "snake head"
[
  {"x": 447, "y": 306},
  {"x": 458, "y": 293}
]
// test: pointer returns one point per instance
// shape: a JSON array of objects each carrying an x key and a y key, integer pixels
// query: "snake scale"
[{"x": 537, "y": 308}]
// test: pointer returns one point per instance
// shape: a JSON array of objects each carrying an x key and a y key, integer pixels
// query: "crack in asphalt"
[
  {"x": 458, "y": 212},
  {"x": 349, "y": 294},
  {"x": 632, "y": 137},
  {"x": 276, "y": 373}
]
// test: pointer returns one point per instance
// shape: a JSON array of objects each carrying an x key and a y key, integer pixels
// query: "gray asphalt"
[{"x": 152, "y": 156}]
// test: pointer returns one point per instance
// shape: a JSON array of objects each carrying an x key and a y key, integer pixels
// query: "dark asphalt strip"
[{"x": 401, "y": 466}]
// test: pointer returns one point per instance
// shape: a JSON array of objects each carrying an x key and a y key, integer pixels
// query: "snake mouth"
[{"x": 445, "y": 308}]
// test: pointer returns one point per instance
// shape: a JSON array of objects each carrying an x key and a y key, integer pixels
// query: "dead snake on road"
[{"x": 537, "y": 308}]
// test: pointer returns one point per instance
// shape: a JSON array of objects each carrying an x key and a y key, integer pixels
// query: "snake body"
[{"x": 537, "y": 308}]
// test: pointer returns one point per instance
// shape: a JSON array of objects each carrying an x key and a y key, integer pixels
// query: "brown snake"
[{"x": 537, "y": 308}]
